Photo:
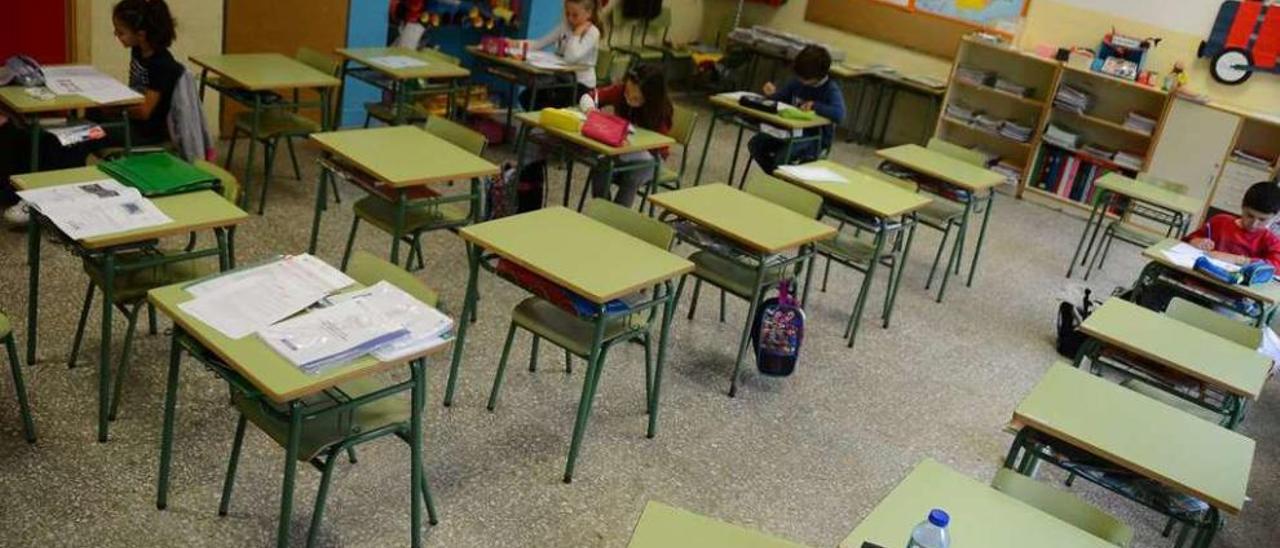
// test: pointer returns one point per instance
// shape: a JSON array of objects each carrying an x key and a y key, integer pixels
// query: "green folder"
[{"x": 159, "y": 174}]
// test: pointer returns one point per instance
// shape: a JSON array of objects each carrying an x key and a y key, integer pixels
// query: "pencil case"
[
  {"x": 561, "y": 119},
  {"x": 759, "y": 103}
]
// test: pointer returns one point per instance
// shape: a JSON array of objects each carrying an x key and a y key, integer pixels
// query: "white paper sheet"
[
  {"x": 95, "y": 208},
  {"x": 89, "y": 83},
  {"x": 815, "y": 174},
  {"x": 394, "y": 62},
  {"x": 332, "y": 335},
  {"x": 545, "y": 59},
  {"x": 1185, "y": 255},
  {"x": 241, "y": 303},
  {"x": 312, "y": 270},
  {"x": 427, "y": 326}
]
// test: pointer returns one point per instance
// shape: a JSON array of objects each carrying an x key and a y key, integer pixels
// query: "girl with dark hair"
[
  {"x": 643, "y": 99},
  {"x": 147, "y": 28}
]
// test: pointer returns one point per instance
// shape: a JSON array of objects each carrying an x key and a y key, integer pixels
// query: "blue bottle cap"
[{"x": 939, "y": 517}]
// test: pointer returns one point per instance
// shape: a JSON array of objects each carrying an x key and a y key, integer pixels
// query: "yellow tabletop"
[
  {"x": 936, "y": 164},
  {"x": 1268, "y": 293},
  {"x": 249, "y": 356},
  {"x": 1143, "y": 435},
  {"x": 576, "y": 252},
  {"x": 663, "y": 526},
  {"x": 639, "y": 141},
  {"x": 860, "y": 191},
  {"x": 1148, "y": 193},
  {"x": 517, "y": 64},
  {"x": 435, "y": 66},
  {"x": 757, "y": 224},
  {"x": 16, "y": 99},
  {"x": 980, "y": 516},
  {"x": 847, "y": 71},
  {"x": 404, "y": 156},
  {"x": 190, "y": 211},
  {"x": 1213, "y": 360},
  {"x": 264, "y": 71},
  {"x": 721, "y": 101}
]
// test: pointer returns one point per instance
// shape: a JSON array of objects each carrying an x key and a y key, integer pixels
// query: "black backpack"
[{"x": 1070, "y": 316}]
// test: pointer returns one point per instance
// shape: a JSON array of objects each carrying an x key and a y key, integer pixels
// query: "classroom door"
[
  {"x": 38, "y": 29},
  {"x": 1194, "y": 142}
]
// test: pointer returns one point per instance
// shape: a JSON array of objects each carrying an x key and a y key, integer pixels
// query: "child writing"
[
  {"x": 577, "y": 42},
  {"x": 812, "y": 89},
  {"x": 1244, "y": 239},
  {"x": 642, "y": 98}
]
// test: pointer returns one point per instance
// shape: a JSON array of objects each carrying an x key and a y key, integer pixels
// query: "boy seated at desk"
[
  {"x": 813, "y": 90},
  {"x": 1247, "y": 238}
]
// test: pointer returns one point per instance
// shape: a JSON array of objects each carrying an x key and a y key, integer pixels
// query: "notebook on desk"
[{"x": 158, "y": 174}]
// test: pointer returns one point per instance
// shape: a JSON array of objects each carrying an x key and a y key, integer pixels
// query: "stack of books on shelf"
[
  {"x": 1069, "y": 175},
  {"x": 1128, "y": 160},
  {"x": 1099, "y": 151},
  {"x": 1015, "y": 131},
  {"x": 961, "y": 112},
  {"x": 1072, "y": 99},
  {"x": 1140, "y": 123},
  {"x": 973, "y": 76},
  {"x": 1009, "y": 86},
  {"x": 1012, "y": 173},
  {"x": 1060, "y": 136},
  {"x": 988, "y": 123},
  {"x": 1251, "y": 159}
]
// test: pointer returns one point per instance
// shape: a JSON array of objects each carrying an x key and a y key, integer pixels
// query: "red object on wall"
[{"x": 35, "y": 27}]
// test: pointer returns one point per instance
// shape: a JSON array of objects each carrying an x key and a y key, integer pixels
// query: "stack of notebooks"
[
  {"x": 988, "y": 123},
  {"x": 1251, "y": 159},
  {"x": 158, "y": 174},
  {"x": 1140, "y": 122},
  {"x": 1128, "y": 160},
  {"x": 1009, "y": 86},
  {"x": 1060, "y": 136},
  {"x": 961, "y": 112},
  {"x": 1099, "y": 151},
  {"x": 1012, "y": 173},
  {"x": 1015, "y": 131},
  {"x": 973, "y": 76},
  {"x": 1072, "y": 99}
]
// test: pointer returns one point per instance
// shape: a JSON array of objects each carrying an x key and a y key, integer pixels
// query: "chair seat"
[
  {"x": 852, "y": 249},
  {"x": 276, "y": 123},
  {"x": 381, "y": 213},
  {"x": 730, "y": 275},
  {"x": 940, "y": 212},
  {"x": 1064, "y": 506},
  {"x": 567, "y": 330},
  {"x": 134, "y": 285},
  {"x": 333, "y": 428},
  {"x": 644, "y": 52},
  {"x": 1162, "y": 396},
  {"x": 5, "y": 326},
  {"x": 1134, "y": 235},
  {"x": 385, "y": 113}
]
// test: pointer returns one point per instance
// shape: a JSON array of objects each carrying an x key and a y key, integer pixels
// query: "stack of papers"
[
  {"x": 1256, "y": 160},
  {"x": 1099, "y": 151},
  {"x": 1060, "y": 136},
  {"x": 1140, "y": 122},
  {"x": 974, "y": 76},
  {"x": 1012, "y": 174},
  {"x": 95, "y": 208},
  {"x": 395, "y": 62},
  {"x": 812, "y": 174},
  {"x": 988, "y": 123},
  {"x": 244, "y": 301},
  {"x": 426, "y": 327},
  {"x": 1009, "y": 86},
  {"x": 1185, "y": 255},
  {"x": 544, "y": 59},
  {"x": 89, "y": 83},
  {"x": 1072, "y": 99},
  {"x": 961, "y": 112},
  {"x": 1128, "y": 160},
  {"x": 1016, "y": 131}
]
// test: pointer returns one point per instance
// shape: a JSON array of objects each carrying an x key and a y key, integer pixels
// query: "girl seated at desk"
[{"x": 643, "y": 99}]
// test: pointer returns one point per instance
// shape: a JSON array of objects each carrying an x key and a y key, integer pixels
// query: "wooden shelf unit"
[{"x": 1259, "y": 135}]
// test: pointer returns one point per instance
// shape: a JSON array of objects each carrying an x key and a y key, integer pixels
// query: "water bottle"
[{"x": 932, "y": 532}]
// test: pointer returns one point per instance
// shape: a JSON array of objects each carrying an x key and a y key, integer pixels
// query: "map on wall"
[{"x": 986, "y": 13}]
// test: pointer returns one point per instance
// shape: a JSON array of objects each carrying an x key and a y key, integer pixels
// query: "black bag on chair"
[{"x": 641, "y": 9}]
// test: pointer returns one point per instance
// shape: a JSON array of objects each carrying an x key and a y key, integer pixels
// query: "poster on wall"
[{"x": 994, "y": 14}]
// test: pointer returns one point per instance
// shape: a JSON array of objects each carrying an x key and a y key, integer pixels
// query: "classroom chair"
[
  {"x": 435, "y": 213},
  {"x": 684, "y": 120},
  {"x": 1064, "y": 506},
  {"x": 275, "y": 125},
  {"x": 739, "y": 278},
  {"x": 385, "y": 112},
  {"x": 620, "y": 25},
  {"x": 11, "y": 348},
  {"x": 604, "y": 67},
  {"x": 131, "y": 287},
  {"x": 1125, "y": 230},
  {"x": 325, "y": 439}
]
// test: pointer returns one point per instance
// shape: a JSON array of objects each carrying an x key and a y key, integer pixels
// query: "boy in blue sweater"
[{"x": 812, "y": 89}]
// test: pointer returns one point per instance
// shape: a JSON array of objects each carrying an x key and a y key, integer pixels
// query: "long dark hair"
[
  {"x": 656, "y": 112},
  {"x": 149, "y": 16}
]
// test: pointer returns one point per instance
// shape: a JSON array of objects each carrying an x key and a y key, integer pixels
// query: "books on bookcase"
[{"x": 1071, "y": 175}]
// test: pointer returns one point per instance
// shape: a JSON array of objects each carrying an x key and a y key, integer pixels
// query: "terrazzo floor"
[{"x": 805, "y": 458}]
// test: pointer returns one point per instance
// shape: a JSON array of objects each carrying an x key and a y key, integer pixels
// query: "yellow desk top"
[
  {"x": 1141, "y": 434},
  {"x": 577, "y": 252},
  {"x": 265, "y": 71},
  {"x": 641, "y": 140},
  {"x": 435, "y": 67},
  {"x": 190, "y": 211},
  {"x": 663, "y": 526},
  {"x": 1268, "y": 293},
  {"x": 721, "y": 101},
  {"x": 15, "y": 98},
  {"x": 517, "y": 64},
  {"x": 860, "y": 191},
  {"x": 1211, "y": 359},
  {"x": 759, "y": 225},
  {"x": 981, "y": 516},
  {"x": 936, "y": 164},
  {"x": 1148, "y": 193},
  {"x": 404, "y": 156}
]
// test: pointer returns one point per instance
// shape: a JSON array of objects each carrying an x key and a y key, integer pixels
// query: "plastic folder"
[{"x": 158, "y": 174}]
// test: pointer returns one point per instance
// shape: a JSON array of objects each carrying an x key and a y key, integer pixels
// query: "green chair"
[
  {"x": 620, "y": 25},
  {"x": 743, "y": 279},
  {"x": 1125, "y": 230},
  {"x": 276, "y": 125},
  {"x": 1064, "y": 506},
  {"x": 326, "y": 438},
  {"x": 941, "y": 214},
  {"x": 11, "y": 348},
  {"x": 130, "y": 289},
  {"x": 422, "y": 216},
  {"x": 684, "y": 120},
  {"x": 604, "y": 67}
]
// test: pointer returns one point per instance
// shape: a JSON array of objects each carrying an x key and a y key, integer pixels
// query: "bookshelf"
[{"x": 1254, "y": 155}]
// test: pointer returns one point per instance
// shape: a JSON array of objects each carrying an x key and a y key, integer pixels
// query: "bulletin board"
[{"x": 899, "y": 22}]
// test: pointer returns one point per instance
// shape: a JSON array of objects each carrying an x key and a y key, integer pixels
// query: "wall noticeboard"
[{"x": 934, "y": 27}]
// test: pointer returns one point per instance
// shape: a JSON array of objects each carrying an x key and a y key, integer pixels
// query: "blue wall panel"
[{"x": 366, "y": 27}]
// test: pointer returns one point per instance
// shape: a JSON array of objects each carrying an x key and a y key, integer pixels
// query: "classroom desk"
[
  {"x": 400, "y": 159},
  {"x": 1138, "y": 434},
  {"x": 1166, "y": 207},
  {"x": 890, "y": 84},
  {"x": 1222, "y": 365},
  {"x": 876, "y": 207},
  {"x": 722, "y": 107},
  {"x": 760, "y": 229},
  {"x": 1162, "y": 270},
  {"x": 246, "y": 78},
  {"x": 521, "y": 73},
  {"x": 592, "y": 152},
  {"x": 16, "y": 101},
  {"x": 980, "y": 515},
  {"x": 663, "y": 526},
  {"x": 962, "y": 176},
  {"x": 589, "y": 258},
  {"x": 191, "y": 212},
  {"x": 394, "y": 80},
  {"x": 251, "y": 367}
]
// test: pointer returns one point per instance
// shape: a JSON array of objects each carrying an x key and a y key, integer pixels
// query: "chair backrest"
[
  {"x": 604, "y": 65},
  {"x": 659, "y": 25},
  {"x": 461, "y": 136},
  {"x": 784, "y": 194},
  {"x": 1064, "y": 506},
  {"x": 617, "y": 25},
  {"x": 882, "y": 176},
  {"x": 1207, "y": 320},
  {"x": 632, "y": 222},
  {"x": 683, "y": 121},
  {"x": 368, "y": 270},
  {"x": 318, "y": 60},
  {"x": 958, "y": 152},
  {"x": 230, "y": 185}
]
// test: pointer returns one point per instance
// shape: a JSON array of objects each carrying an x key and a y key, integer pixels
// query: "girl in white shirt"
[{"x": 577, "y": 41}]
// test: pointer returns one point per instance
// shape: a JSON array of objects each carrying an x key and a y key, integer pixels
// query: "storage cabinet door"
[{"x": 1194, "y": 142}]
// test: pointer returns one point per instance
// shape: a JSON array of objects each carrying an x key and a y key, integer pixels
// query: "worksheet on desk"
[
  {"x": 89, "y": 83},
  {"x": 244, "y": 302},
  {"x": 95, "y": 208}
]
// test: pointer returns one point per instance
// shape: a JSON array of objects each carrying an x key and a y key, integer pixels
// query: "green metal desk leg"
[
  {"x": 706, "y": 147},
  {"x": 855, "y": 317},
  {"x": 397, "y": 226},
  {"x": 170, "y": 409},
  {"x": 321, "y": 199},
  {"x": 417, "y": 397},
  {"x": 247, "y": 188},
  {"x": 756, "y": 295},
  {"x": 468, "y": 310},
  {"x": 808, "y": 271},
  {"x": 401, "y": 98},
  {"x": 982, "y": 238},
  {"x": 34, "y": 124},
  {"x": 588, "y": 392},
  {"x": 511, "y": 107},
  {"x": 33, "y": 284},
  {"x": 290, "y": 473},
  {"x": 957, "y": 251},
  {"x": 1095, "y": 216},
  {"x": 668, "y": 310},
  {"x": 897, "y": 282},
  {"x": 104, "y": 349},
  {"x": 737, "y": 148}
]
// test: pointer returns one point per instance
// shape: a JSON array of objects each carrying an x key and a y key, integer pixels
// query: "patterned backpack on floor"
[{"x": 778, "y": 332}]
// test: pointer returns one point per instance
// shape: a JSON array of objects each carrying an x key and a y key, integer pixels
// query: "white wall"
[{"x": 1189, "y": 16}]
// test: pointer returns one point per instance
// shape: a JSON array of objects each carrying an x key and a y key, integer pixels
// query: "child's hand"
[
  {"x": 1203, "y": 244},
  {"x": 807, "y": 106},
  {"x": 769, "y": 88}
]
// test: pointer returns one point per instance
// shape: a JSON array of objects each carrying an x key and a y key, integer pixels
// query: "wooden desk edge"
[
  {"x": 972, "y": 188},
  {"x": 752, "y": 246},
  {"x": 827, "y": 195},
  {"x": 491, "y": 170},
  {"x": 1216, "y": 383}
]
